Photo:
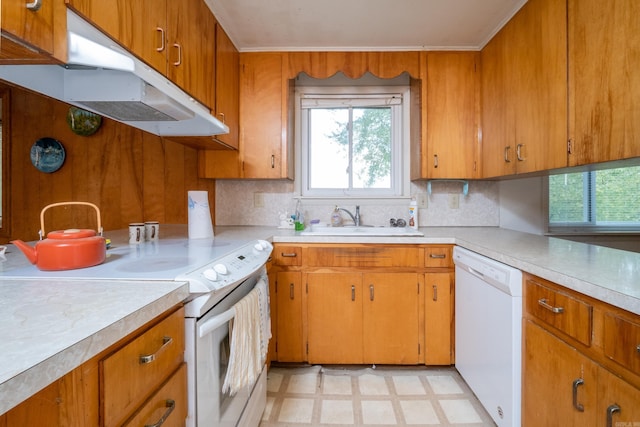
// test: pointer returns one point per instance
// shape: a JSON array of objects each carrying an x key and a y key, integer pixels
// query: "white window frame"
[{"x": 399, "y": 145}]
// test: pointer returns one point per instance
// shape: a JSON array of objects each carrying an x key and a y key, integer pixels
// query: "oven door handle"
[{"x": 214, "y": 323}]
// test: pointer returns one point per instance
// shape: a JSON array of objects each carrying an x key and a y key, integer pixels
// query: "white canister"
[
  {"x": 136, "y": 233},
  {"x": 151, "y": 231}
]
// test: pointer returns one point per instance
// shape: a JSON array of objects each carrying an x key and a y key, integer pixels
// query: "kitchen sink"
[{"x": 323, "y": 230}]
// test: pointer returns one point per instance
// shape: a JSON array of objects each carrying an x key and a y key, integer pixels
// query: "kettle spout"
[{"x": 29, "y": 251}]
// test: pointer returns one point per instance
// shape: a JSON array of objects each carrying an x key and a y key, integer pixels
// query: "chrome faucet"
[{"x": 356, "y": 218}]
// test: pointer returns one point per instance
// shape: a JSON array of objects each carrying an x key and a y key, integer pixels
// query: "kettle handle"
[{"x": 42, "y": 233}]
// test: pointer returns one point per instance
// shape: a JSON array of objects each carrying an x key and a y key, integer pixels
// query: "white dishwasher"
[{"x": 488, "y": 313}]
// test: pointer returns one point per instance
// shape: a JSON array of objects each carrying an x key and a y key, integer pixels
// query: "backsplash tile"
[{"x": 235, "y": 204}]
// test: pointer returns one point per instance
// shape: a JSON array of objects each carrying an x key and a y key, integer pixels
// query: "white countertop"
[{"x": 48, "y": 329}]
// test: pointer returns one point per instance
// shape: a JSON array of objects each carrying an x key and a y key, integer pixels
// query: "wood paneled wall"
[{"x": 129, "y": 174}]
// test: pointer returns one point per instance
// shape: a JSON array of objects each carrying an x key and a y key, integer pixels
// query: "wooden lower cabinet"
[
  {"x": 356, "y": 318},
  {"x": 578, "y": 356},
  {"x": 82, "y": 397},
  {"x": 289, "y": 319},
  {"x": 363, "y": 304},
  {"x": 438, "y": 318}
]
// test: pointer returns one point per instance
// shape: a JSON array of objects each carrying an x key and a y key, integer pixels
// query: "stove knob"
[
  {"x": 220, "y": 268},
  {"x": 210, "y": 274}
]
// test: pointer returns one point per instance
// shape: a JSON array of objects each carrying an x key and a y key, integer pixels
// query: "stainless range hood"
[{"x": 102, "y": 77}]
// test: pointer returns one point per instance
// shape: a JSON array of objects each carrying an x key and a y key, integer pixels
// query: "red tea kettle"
[{"x": 66, "y": 249}]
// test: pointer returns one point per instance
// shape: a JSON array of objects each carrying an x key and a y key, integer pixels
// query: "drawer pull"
[
  {"x": 543, "y": 303},
  {"x": 288, "y": 255},
  {"x": 610, "y": 411},
  {"x": 166, "y": 341},
  {"x": 34, "y": 6},
  {"x": 579, "y": 406},
  {"x": 170, "y": 405},
  {"x": 437, "y": 256}
]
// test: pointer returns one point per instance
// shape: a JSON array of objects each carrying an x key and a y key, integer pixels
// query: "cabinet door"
[
  {"x": 617, "y": 401},
  {"x": 452, "y": 119},
  {"x": 34, "y": 27},
  {"x": 289, "y": 346},
  {"x": 438, "y": 322},
  {"x": 334, "y": 304},
  {"x": 140, "y": 25},
  {"x": 551, "y": 396},
  {"x": 263, "y": 116},
  {"x": 604, "y": 49},
  {"x": 390, "y": 318},
  {"x": 227, "y": 86},
  {"x": 191, "y": 31}
]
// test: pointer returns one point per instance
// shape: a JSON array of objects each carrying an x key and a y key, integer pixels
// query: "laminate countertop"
[{"x": 48, "y": 329}]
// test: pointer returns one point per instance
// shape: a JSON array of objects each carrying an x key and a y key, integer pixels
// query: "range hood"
[{"x": 102, "y": 77}]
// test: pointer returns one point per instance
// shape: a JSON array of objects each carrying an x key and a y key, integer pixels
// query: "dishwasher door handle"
[{"x": 475, "y": 272}]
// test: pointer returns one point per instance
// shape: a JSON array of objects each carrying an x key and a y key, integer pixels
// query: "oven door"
[{"x": 213, "y": 407}]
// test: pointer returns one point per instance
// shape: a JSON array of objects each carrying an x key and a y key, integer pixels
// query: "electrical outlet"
[
  {"x": 258, "y": 200},
  {"x": 422, "y": 200},
  {"x": 454, "y": 201}
]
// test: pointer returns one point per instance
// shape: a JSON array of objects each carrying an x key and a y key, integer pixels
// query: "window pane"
[
  {"x": 567, "y": 197},
  {"x": 372, "y": 147},
  {"x": 618, "y": 195},
  {"x": 329, "y": 148}
]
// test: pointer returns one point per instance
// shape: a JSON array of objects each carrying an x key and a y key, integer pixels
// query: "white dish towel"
[{"x": 250, "y": 331}]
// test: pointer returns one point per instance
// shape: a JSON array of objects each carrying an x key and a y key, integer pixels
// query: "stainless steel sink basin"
[{"x": 361, "y": 231}]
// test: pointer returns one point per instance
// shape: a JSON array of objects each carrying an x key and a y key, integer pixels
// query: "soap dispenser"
[
  {"x": 413, "y": 214},
  {"x": 336, "y": 218}
]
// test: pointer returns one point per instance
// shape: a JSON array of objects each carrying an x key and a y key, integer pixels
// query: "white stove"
[{"x": 211, "y": 266}]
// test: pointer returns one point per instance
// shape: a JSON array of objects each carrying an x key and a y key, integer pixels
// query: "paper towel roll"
[{"x": 200, "y": 225}]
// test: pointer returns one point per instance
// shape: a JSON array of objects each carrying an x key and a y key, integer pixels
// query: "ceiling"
[{"x": 330, "y": 25}]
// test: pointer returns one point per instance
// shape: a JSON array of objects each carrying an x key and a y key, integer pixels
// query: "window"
[
  {"x": 603, "y": 200},
  {"x": 351, "y": 141}
]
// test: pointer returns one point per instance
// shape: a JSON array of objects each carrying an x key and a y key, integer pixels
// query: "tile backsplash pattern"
[{"x": 235, "y": 204}]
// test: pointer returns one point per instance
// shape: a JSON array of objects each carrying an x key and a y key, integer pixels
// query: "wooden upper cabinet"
[
  {"x": 265, "y": 137},
  {"x": 227, "y": 86},
  {"x": 524, "y": 92},
  {"x": 140, "y": 26},
  {"x": 191, "y": 48},
  {"x": 604, "y": 49},
  {"x": 452, "y": 115},
  {"x": 176, "y": 38}
]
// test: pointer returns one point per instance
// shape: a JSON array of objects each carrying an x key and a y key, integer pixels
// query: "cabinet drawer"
[
  {"x": 132, "y": 373},
  {"x": 168, "y": 404},
  {"x": 287, "y": 255},
  {"x": 560, "y": 310},
  {"x": 362, "y": 256},
  {"x": 622, "y": 341},
  {"x": 438, "y": 256}
]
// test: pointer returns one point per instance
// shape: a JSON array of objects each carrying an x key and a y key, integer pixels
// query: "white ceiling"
[{"x": 290, "y": 25}]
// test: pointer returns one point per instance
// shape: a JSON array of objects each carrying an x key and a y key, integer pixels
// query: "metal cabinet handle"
[
  {"x": 179, "y": 47},
  {"x": 435, "y": 292},
  {"x": 221, "y": 116},
  {"x": 34, "y": 6},
  {"x": 577, "y": 383},
  {"x": 506, "y": 154},
  {"x": 435, "y": 161},
  {"x": 291, "y": 294},
  {"x": 148, "y": 358},
  {"x": 371, "y": 294},
  {"x": 543, "y": 302},
  {"x": 288, "y": 255},
  {"x": 610, "y": 411},
  {"x": 353, "y": 293},
  {"x": 170, "y": 405},
  {"x": 519, "y": 152},
  {"x": 162, "y": 46},
  {"x": 437, "y": 256},
  {"x": 273, "y": 161},
  {"x": 638, "y": 348}
]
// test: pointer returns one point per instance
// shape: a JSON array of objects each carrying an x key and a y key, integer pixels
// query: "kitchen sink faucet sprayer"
[{"x": 356, "y": 218}]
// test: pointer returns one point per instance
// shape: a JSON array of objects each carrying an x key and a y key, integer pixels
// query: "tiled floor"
[{"x": 366, "y": 396}]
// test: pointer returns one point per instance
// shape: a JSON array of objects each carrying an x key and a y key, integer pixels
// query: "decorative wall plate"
[
  {"x": 83, "y": 122},
  {"x": 47, "y": 155}
]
